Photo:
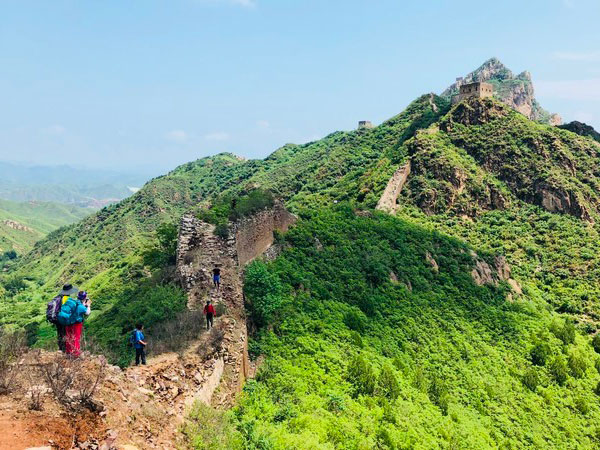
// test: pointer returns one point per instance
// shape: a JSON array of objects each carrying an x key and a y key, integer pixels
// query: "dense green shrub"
[
  {"x": 438, "y": 394},
  {"x": 540, "y": 353},
  {"x": 596, "y": 343},
  {"x": 577, "y": 364},
  {"x": 558, "y": 369},
  {"x": 246, "y": 205},
  {"x": 361, "y": 375},
  {"x": 565, "y": 332},
  {"x": 531, "y": 378},
  {"x": 387, "y": 383},
  {"x": 164, "y": 252},
  {"x": 263, "y": 293},
  {"x": 222, "y": 230},
  {"x": 355, "y": 320}
]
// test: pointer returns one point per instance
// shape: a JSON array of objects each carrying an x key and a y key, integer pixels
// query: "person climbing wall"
[
  {"x": 209, "y": 312},
  {"x": 217, "y": 278}
]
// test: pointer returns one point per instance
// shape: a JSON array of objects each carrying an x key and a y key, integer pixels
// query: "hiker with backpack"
[
  {"x": 53, "y": 309},
  {"x": 71, "y": 316},
  {"x": 217, "y": 278},
  {"x": 209, "y": 312},
  {"x": 139, "y": 343}
]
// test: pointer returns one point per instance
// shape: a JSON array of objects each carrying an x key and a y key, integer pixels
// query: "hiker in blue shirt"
[{"x": 139, "y": 344}]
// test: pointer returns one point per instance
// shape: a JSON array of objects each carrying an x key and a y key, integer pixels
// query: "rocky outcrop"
[
  {"x": 17, "y": 226},
  {"x": 515, "y": 91},
  {"x": 484, "y": 273},
  {"x": 581, "y": 129},
  {"x": 557, "y": 199},
  {"x": 388, "y": 199}
]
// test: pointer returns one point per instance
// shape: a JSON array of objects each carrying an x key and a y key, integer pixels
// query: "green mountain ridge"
[
  {"x": 372, "y": 345},
  {"x": 23, "y": 224}
]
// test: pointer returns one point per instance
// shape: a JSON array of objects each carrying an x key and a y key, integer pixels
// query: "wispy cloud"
[
  {"x": 242, "y": 3},
  {"x": 177, "y": 136},
  {"x": 217, "y": 136},
  {"x": 569, "y": 3},
  {"x": 586, "y": 90},
  {"x": 263, "y": 124},
  {"x": 578, "y": 56},
  {"x": 55, "y": 130}
]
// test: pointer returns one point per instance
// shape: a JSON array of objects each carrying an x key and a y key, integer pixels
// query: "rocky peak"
[
  {"x": 516, "y": 91},
  {"x": 581, "y": 129}
]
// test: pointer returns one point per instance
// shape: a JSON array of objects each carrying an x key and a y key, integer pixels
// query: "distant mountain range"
[{"x": 64, "y": 184}]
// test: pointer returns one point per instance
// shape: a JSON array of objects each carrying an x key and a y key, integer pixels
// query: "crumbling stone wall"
[
  {"x": 199, "y": 251},
  {"x": 254, "y": 234}
]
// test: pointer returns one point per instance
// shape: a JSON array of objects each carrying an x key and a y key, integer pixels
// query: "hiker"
[
  {"x": 217, "y": 277},
  {"x": 53, "y": 309},
  {"x": 139, "y": 343},
  {"x": 209, "y": 312},
  {"x": 71, "y": 315}
]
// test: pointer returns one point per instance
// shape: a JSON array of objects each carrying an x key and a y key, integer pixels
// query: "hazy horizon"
[{"x": 155, "y": 84}]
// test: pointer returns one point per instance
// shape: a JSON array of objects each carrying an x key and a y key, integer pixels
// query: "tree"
[
  {"x": 164, "y": 253},
  {"x": 558, "y": 369},
  {"x": 540, "y": 353},
  {"x": 577, "y": 364},
  {"x": 596, "y": 343},
  {"x": 362, "y": 376},
  {"x": 263, "y": 293},
  {"x": 387, "y": 383},
  {"x": 531, "y": 378}
]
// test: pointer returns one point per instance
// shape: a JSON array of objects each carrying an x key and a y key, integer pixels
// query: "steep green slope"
[
  {"x": 371, "y": 346},
  {"x": 22, "y": 224},
  {"x": 488, "y": 175}
]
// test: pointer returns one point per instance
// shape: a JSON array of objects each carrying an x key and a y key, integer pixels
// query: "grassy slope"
[
  {"x": 39, "y": 217},
  {"x": 459, "y": 352}
]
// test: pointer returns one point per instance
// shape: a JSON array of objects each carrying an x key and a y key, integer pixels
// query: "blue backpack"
[{"x": 68, "y": 313}]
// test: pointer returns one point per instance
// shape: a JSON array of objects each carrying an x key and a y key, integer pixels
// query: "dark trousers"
[
  {"x": 140, "y": 354},
  {"x": 209, "y": 320},
  {"x": 61, "y": 332}
]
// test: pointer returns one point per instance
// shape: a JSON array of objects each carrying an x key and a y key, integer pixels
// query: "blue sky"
[{"x": 150, "y": 84}]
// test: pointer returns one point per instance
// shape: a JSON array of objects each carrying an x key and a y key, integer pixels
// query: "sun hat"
[{"x": 68, "y": 289}]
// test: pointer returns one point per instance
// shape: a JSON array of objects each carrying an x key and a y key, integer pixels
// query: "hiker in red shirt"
[{"x": 209, "y": 312}]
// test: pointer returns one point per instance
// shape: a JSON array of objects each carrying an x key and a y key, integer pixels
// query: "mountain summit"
[{"x": 516, "y": 91}]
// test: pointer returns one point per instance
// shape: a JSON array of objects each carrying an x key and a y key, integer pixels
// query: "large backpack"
[
  {"x": 68, "y": 313},
  {"x": 53, "y": 309},
  {"x": 133, "y": 338}
]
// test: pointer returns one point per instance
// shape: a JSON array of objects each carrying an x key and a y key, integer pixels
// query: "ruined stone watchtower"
[
  {"x": 365, "y": 124},
  {"x": 478, "y": 89}
]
